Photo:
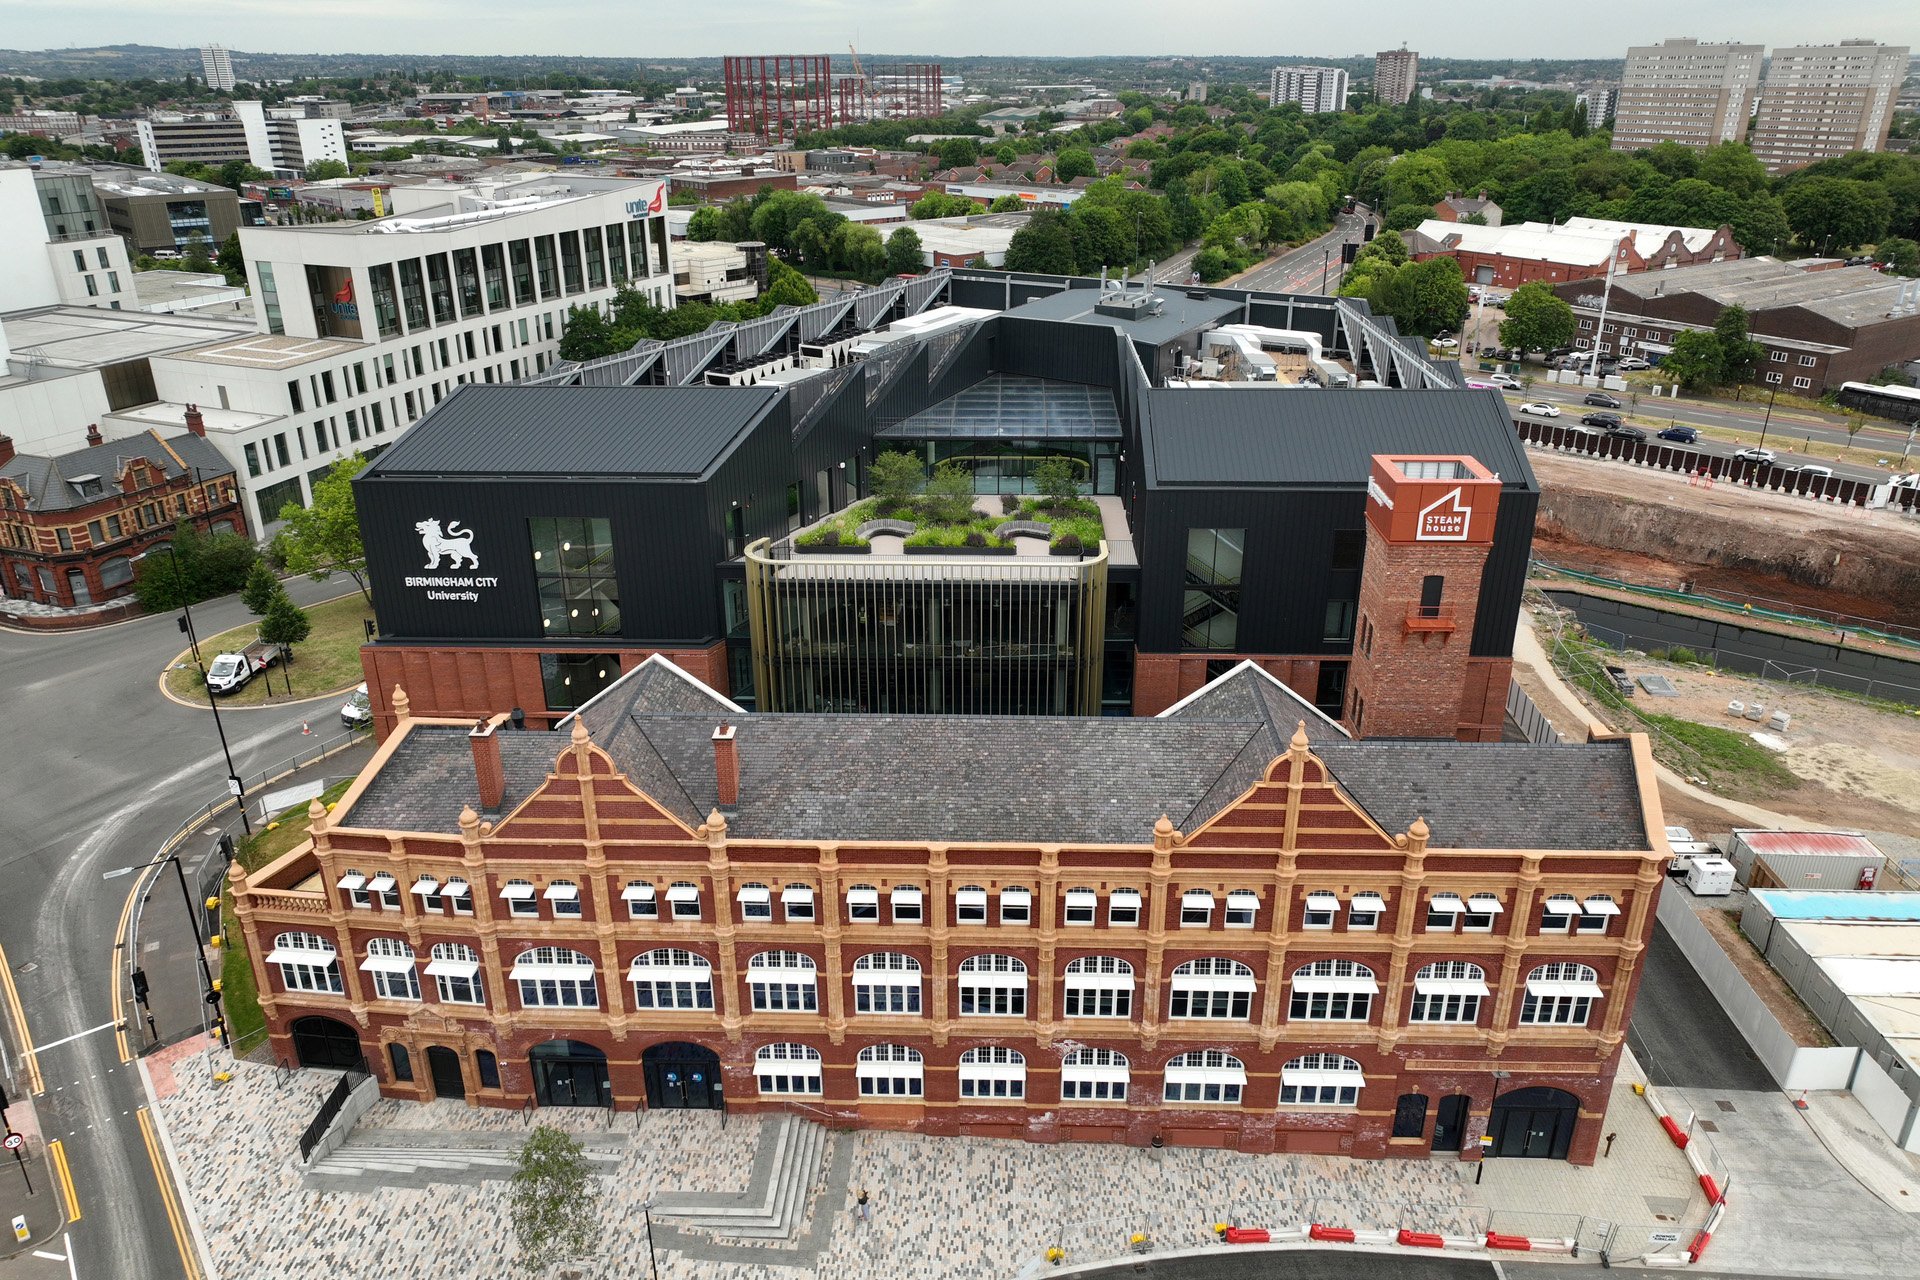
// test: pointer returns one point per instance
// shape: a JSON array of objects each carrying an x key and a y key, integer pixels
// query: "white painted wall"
[{"x": 26, "y": 271}]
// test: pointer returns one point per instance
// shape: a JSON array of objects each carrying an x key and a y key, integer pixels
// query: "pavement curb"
[{"x": 187, "y": 1209}]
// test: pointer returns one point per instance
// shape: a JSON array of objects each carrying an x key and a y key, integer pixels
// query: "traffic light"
[
  {"x": 182, "y": 621},
  {"x": 1347, "y": 252},
  {"x": 140, "y": 985}
]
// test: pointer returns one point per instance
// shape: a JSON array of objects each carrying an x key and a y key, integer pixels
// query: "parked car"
[
  {"x": 1633, "y": 364},
  {"x": 1540, "y": 410},
  {"x": 358, "y": 712},
  {"x": 1751, "y": 454},
  {"x": 1489, "y": 353},
  {"x": 1817, "y": 472},
  {"x": 1446, "y": 344},
  {"x": 231, "y": 671},
  {"x": 1496, "y": 300},
  {"x": 1685, "y": 435},
  {"x": 1602, "y": 399},
  {"x": 1505, "y": 380},
  {"x": 1621, "y": 431},
  {"x": 1602, "y": 420}
]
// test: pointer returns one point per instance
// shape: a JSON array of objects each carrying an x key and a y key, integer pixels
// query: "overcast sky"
[{"x": 665, "y": 29}]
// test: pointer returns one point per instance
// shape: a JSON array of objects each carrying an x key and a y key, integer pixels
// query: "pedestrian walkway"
[{"x": 28, "y": 1192}]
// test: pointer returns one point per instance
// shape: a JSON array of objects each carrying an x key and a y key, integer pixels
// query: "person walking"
[{"x": 860, "y": 1206}]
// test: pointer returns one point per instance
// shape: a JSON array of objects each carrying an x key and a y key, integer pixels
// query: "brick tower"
[{"x": 1429, "y": 528}]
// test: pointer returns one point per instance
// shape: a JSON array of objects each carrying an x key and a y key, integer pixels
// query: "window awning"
[
  {"x": 562, "y": 893},
  {"x": 1182, "y": 982},
  {"x": 754, "y": 893},
  {"x": 1351, "y": 1079},
  {"x": 1124, "y": 898},
  {"x": 1601, "y": 907},
  {"x": 381, "y": 883},
  {"x": 520, "y": 892},
  {"x": 1481, "y": 904},
  {"x": 352, "y": 880},
  {"x": 1208, "y": 1075},
  {"x": 887, "y": 977},
  {"x": 1321, "y": 900},
  {"x": 1099, "y": 981},
  {"x": 1111, "y": 1075},
  {"x": 637, "y": 972},
  {"x": 1357, "y": 986},
  {"x": 452, "y": 968},
  {"x": 387, "y": 964},
  {"x": 1545, "y": 988},
  {"x": 535, "y": 972},
  {"x": 863, "y": 897},
  {"x": 299, "y": 955},
  {"x": 1448, "y": 902},
  {"x": 638, "y": 893},
  {"x": 1243, "y": 902},
  {"x": 1369, "y": 902},
  {"x": 971, "y": 897},
  {"x": 684, "y": 893},
  {"x": 457, "y": 888},
  {"x": 901, "y": 1070},
  {"x": 791, "y": 896},
  {"x": 985, "y": 979},
  {"x": 426, "y": 886},
  {"x": 907, "y": 896},
  {"x": 1562, "y": 906},
  {"x": 1016, "y": 895},
  {"x": 1451, "y": 986},
  {"x": 1082, "y": 898}
]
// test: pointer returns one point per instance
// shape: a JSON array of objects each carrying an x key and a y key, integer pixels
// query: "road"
[
  {"x": 108, "y": 773},
  {"x": 1302, "y": 270}
]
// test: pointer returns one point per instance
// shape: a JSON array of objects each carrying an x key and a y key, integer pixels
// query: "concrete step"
[
  {"x": 787, "y": 1169},
  {"x": 758, "y": 1198},
  {"x": 804, "y": 1177}
]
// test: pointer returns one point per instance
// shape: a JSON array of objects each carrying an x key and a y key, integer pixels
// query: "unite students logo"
[{"x": 1443, "y": 520}]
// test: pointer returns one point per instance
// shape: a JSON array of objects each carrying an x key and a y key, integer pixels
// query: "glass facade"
[
  {"x": 959, "y": 635},
  {"x": 413, "y": 294},
  {"x": 1210, "y": 612},
  {"x": 494, "y": 262},
  {"x": 386, "y": 307},
  {"x": 440, "y": 286},
  {"x": 571, "y": 679},
  {"x": 466, "y": 275},
  {"x": 573, "y": 565}
]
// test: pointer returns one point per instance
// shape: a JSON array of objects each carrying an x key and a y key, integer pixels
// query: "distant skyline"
[{"x": 1493, "y": 29}]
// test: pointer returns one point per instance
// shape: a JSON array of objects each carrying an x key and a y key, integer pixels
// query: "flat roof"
[
  {"x": 1855, "y": 904},
  {"x": 79, "y": 338},
  {"x": 1851, "y": 296},
  {"x": 1845, "y": 844},
  {"x": 617, "y": 432},
  {"x": 1006, "y": 406},
  {"x": 173, "y": 417},
  {"x": 1179, "y": 314},
  {"x": 272, "y": 351}
]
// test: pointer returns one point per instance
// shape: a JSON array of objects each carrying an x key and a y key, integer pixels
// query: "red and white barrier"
[{"x": 1530, "y": 1244}]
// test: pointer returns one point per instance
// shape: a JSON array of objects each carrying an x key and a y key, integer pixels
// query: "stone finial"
[
  {"x": 580, "y": 737},
  {"x": 1417, "y": 835},
  {"x": 316, "y": 814},
  {"x": 1164, "y": 836},
  {"x": 402, "y": 706},
  {"x": 1298, "y": 742},
  {"x": 716, "y": 823},
  {"x": 468, "y": 818}
]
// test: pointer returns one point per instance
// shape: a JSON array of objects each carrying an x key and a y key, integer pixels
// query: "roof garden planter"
[
  {"x": 899, "y": 528},
  {"x": 837, "y": 549},
  {"x": 1023, "y": 528},
  {"x": 960, "y": 551}
]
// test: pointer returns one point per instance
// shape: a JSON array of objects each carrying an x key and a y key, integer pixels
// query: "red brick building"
[
  {"x": 1226, "y": 926},
  {"x": 72, "y": 525},
  {"x": 1577, "y": 249}
]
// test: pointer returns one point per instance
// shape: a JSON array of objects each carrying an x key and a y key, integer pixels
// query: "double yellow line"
[
  {"x": 35, "y": 1083},
  {"x": 57, "y": 1157},
  {"x": 176, "y": 1219}
]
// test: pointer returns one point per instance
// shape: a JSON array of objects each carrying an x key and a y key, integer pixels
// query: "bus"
[{"x": 1897, "y": 401}]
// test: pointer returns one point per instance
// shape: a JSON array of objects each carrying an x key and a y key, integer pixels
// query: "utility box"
[{"x": 1710, "y": 877}]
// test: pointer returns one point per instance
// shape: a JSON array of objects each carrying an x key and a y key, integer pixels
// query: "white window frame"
[
  {"x": 1808, "y": 362},
  {"x": 1016, "y": 906},
  {"x": 520, "y": 898},
  {"x": 354, "y": 885},
  {"x": 890, "y": 1070},
  {"x": 460, "y": 894},
  {"x": 1218, "y": 1077},
  {"x": 683, "y": 899},
  {"x": 1322, "y": 1072},
  {"x": 1226, "y": 988},
  {"x": 1370, "y": 905},
  {"x": 776, "y": 1080},
  {"x": 756, "y": 903},
  {"x": 388, "y": 888},
  {"x": 1557, "y": 912},
  {"x": 1080, "y": 908},
  {"x": 1243, "y": 908},
  {"x": 642, "y": 899},
  {"x": 993, "y": 1071},
  {"x": 992, "y": 985},
  {"x": 1444, "y": 906},
  {"x": 1596, "y": 913},
  {"x": 1561, "y": 994},
  {"x": 863, "y": 904},
  {"x": 308, "y": 962},
  {"x": 1319, "y": 909},
  {"x": 427, "y": 889},
  {"x": 1802, "y": 383},
  {"x": 1448, "y": 991},
  {"x": 1480, "y": 913},
  {"x": 899, "y": 986},
  {"x": 394, "y": 969},
  {"x": 908, "y": 903},
  {"x": 777, "y": 983},
  {"x": 671, "y": 980},
  {"x": 970, "y": 905},
  {"x": 1124, "y": 900},
  {"x": 1193, "y": 915},
  {"x": 1098, "y": 987},
  {"x": 1094, "y": 1076},
  {"x": 565, "y": 897},
  {"x": 455, "y": 970},
  {"x": 546, "y": 974},
  {"x": 796, "y": 903},
  {"x": 1332, "y": 990}
]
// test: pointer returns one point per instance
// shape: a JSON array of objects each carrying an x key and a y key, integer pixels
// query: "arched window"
[
  {"x": 1099, "y": 987},
  {"x": 890, "y": 1070},
  {"x": 1448, "y": 991},
  {"x": 1557, "y": 912},
  {"x": 555, "y": 977},
  {"x": 460, "y": 894},
  {"x": 1332, "y": 991},
  {"x": 642, "y": 899},
  {"x": 308, "y": 962},
  {"x": 1094, "y": 1075},
  {"x": 1560, "y": 995},
  {"x": 669, "y": 978},
  {"x": 863, "y": 904},
  {"x": 565, "y": 897},
  {"x": 1481, "y": 909},
  {"x": 787, "y": 1068},
  {"x": 970, "y": 904},
  {"x": 427, "y": 889},
  {"x": 1205, "y": 1075},
  {"x": 455, "y": 967},
  {"x": 1322, "y": 1079},
  {"x": 756, "y": 902},
  {"x": 1196, "y": 909},
  {"x": 994, "y": 985},
  {"x": 783, "y": 982},
  {"x": 909, "y": 904},
  {"x": 1016, "y": 906},
  {"x": 1123, "y": 909},
  {"x": 1211, "y": 987},
  {"x": 886, "y": 982},
  {"x": 685, "y": 897},
  {"x": 1242, "y": 906},
  {"x": 797, "y": 899},
  {"x": 993, "y": 1072},
  {"x": 354, "y": 885},
  {"x": 1595, "y": 911},
  {"x": 390, "y": 961},
  {"x": 520, "y": 899},
  {"x": 1082, "y": 905}
]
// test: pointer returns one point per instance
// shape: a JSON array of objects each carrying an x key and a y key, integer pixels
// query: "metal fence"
[
  {"x": 349, "y": 1079},
  {"x": 1765, "y": 670},
  {"x": 1527, "y": 717}
]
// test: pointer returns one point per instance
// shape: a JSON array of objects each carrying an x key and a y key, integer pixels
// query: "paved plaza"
[{"x": 942, "y": 1208}]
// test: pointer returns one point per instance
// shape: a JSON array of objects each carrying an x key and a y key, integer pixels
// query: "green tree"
[
  {"x": 895, "y": 478},
  {"x": 1836, "y": 213},
  {"x": 1761, "y": 225},
  {"x": 1058, "y": 480},
  {"x": 196, "y": 258},
  {"x": 1073, "y": 162},
  {"x": 1008, "y": 203},
  {"x": 321, "y": 170},
  {"x": 504, "y": 142},
  {"x": 1426, "y": 298},
  {"x": 1899, "y": 254},
  {"x": 1536, "y": 320},
  {"x": 1006, "y": 154},
  {"x": 859, "y": 250},
  {"x": 958, "y": 153},
  {"x": 234, "y": 173},
  {"x": 585, "y": 335},
  {"x": 198, "y": 567},
  {"x": 948, "y": 497},
  {"x": 1044, "y": 245},
  {"x": 260, "y": 589},
  {"x": 1740, "y": 356},
  {"x": 324, "y": 538},
  {"x": 232, "y": 260},
  {"x": 1731, "y": 167},
  {"x": 553, "y": 1200},
  {"x": 704, "y": 224},
  {"x": 285, "y": 622},
  {"x": 1694, "y": 360},
  {"x": 903, "y": 253},
  {"x": 785, "y": 287},
  {"x": 938, "y": 204}
]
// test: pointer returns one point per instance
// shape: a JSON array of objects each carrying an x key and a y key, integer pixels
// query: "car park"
[
  {"x": 1685, "y": 435},
  {"x": 1602, "y": 399},
  {"x": 1540, "y": 410},
  {"x": 1751, "y": 454},
  {"x": 1621, "y": 431}
]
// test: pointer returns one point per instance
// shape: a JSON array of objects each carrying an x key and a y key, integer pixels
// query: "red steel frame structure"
[
  {"x": 779, "y": 98},
  {"x": 906, "y": 91}
]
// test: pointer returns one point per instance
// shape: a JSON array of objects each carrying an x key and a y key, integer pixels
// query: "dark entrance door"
[
  {"x": 326, "y": 1042},
  {"x": 681, "y": 1075},
  {"x": 567, "y": 1073},
  {"x": 1450, "y": 1122},
  {"x": 1533, "y": 1123},
  {"x": 445, "y": 1066}
]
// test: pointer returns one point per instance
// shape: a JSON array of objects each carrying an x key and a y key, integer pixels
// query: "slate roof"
[
  {"x": 1086, "y": 780},
  {"x": 47, "y": 479}
]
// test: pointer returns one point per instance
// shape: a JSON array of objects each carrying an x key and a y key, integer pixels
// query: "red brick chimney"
[
  {"x": 93, "y": 434},
  {"x": 487, "y": 770},
  {"x": 726, "y": 765},
  {"x": 6, "y": 450},
  {"x": 196, "y": 423}
]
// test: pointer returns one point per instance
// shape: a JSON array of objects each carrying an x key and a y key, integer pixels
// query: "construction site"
[{"x": 780, "y": 97}]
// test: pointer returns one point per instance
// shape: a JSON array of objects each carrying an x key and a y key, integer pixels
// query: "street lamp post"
[
  {"x": 646, "y": 1215},
  {"x": 1768, "y": 420},
  {"x": 210, "y": 994},
  {"x": 1498, "y": 1076},
  {"x": 1326, "y": 263},
  {"x": 233, "y": 777}
]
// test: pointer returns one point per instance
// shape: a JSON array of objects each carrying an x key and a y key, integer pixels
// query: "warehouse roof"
[
  {"x": 1850, "y": 296},
  {"x": 498, "y": 429},
  {"x": 1279, "y": 438}
]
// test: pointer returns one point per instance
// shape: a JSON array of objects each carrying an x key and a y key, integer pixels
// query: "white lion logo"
[{"x": 456, "y": 544}]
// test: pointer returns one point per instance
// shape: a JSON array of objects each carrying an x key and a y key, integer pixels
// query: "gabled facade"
[{"x": 1225, "y": 926}]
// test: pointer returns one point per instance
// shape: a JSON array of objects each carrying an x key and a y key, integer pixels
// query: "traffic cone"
[{"x": 304, "y": 731}]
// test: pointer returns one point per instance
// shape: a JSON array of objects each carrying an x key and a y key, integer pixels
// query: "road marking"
[
  {"x": 35, "y": 1084},
  {"x": 57, "y": 1155},
  {"x": 50, "y": 1257},
  {"x": 116, "y": 1000},
  {"x": 189, "y": 1259}
]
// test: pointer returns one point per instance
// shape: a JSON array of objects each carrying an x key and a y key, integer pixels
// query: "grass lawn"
[
  {"x": 241, "y": 998},
  {"x": 327, "y": 661}
]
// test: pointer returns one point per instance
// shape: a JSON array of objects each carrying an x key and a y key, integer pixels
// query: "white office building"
[
  {"x": 1316, "y": 89},
  {"x": 217, "y": 66},
  {"x": 286, "y": 146},
  {"x": 55, "y": 243}
]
